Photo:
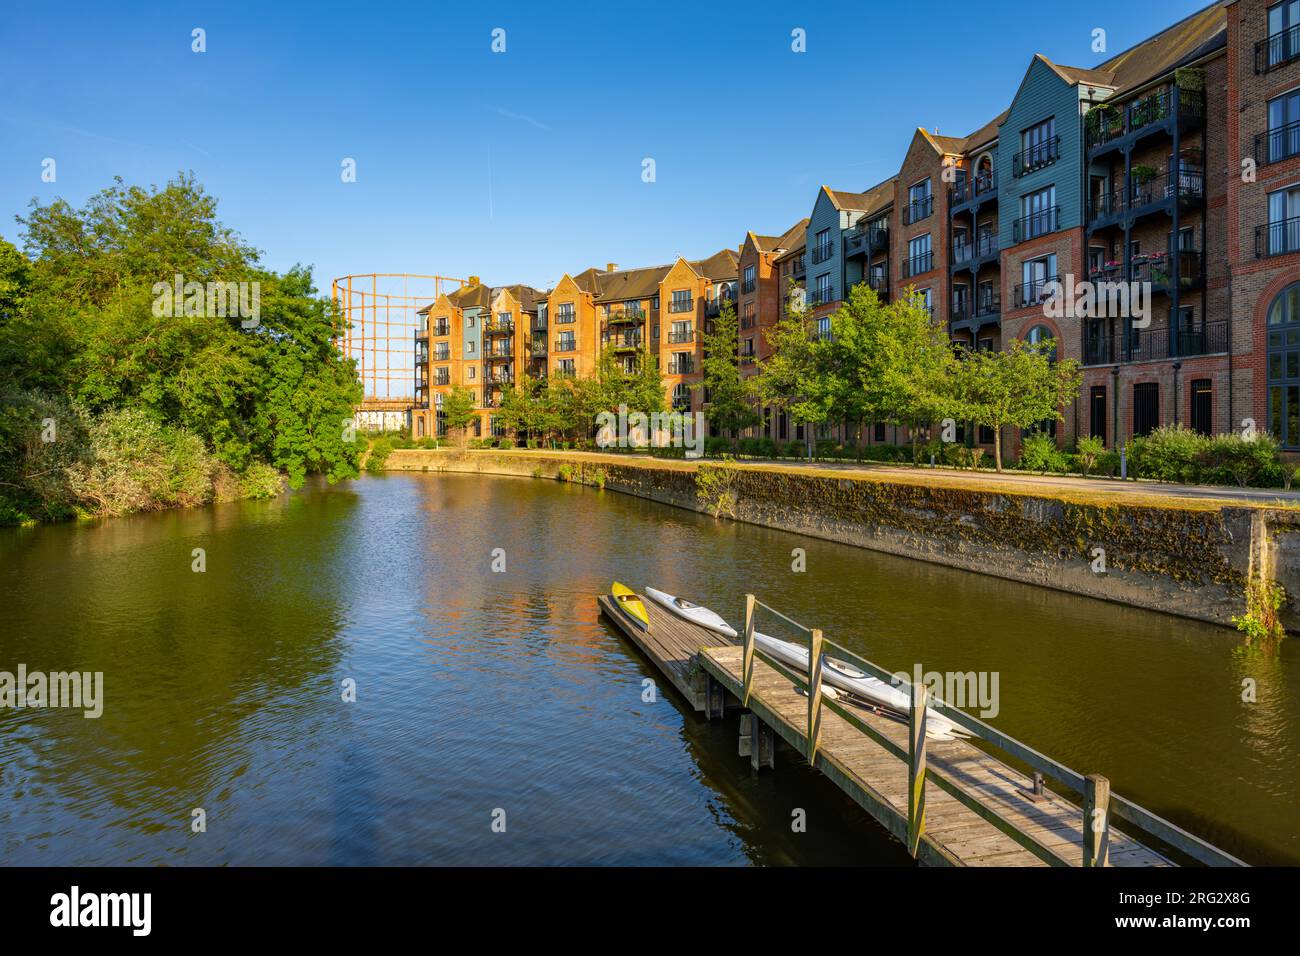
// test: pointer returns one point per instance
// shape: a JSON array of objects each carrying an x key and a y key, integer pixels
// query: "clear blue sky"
[{"x": 522, "y": 165}]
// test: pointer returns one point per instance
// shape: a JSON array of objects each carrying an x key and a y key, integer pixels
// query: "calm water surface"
[{"x": 479, "y": 691}]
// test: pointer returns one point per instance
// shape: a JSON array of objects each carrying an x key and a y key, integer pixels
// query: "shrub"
[
  {"x": 1231, "y": 459},
  {"x": 1090, "y": 450},
  {"x": 795, "y": 449},
  {"x": 380, "y": 449},
  {"x": 506, "y": 443},
  {"x": 260, "y": 481},
  {"x": 34, "y": 482},
  {"x": 1038, "y": 452},
  {"x": 715, "y": 485},
  {"x": 826, "y": 448},
  {"x": 767, "y": 448},
  {"x": 1169, "y": 453}
]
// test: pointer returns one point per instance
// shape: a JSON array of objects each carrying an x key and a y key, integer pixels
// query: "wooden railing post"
[
  {"x": 814, "y": 694},
  {"x": 747, "y": 654},
  {"x": 1096, "y": 820},
  {"x": 916, "y": 768}
]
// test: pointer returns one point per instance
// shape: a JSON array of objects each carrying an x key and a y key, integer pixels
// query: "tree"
[
  {"x": 458, "y": 407},
  {"x": 730, "y": 408},
  {"x": 912, "y": 379},
  {"x": 789, "y": 378},
  {"x": 1019, "y": 386}
]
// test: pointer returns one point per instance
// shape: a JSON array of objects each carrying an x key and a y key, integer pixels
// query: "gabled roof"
[
  {"x": 627, "y": 284},
  {"x": 471, "y": 297},
  {"x": 525, "y": 295},
  {"x": 1189, "y": 39},
  {"x": 723, "y": 264},
  {"x": 784, "y": 241},
  {"x": 586, "y": 280}
]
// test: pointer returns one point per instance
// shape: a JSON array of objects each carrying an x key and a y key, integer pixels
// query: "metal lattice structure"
[{"x": 379, "y": 326}]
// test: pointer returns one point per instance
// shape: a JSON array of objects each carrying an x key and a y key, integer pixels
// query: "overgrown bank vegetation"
[{"x": 107, "y": 407}]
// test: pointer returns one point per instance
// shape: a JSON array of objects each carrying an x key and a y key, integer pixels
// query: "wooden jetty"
[{"x": 948, "y": 801}]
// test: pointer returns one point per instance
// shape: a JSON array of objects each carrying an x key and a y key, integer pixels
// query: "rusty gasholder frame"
[{"x": 379, "y": 325}]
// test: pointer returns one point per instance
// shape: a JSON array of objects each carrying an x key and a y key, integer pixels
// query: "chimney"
[
  {"x": 611, "y": 266},
  {"x": 473, "y": 280}
]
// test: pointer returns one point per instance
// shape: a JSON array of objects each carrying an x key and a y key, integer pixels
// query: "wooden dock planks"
[{"x": 878, "y": 781}]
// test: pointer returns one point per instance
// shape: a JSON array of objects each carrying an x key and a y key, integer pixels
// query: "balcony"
[
  {"x": 626, "y": 317},
  {"x": 1278, "y": 144},
  {"x": 918, "y": 209},
  {"x": 880, "y": 285},
  {"x": 748, "y": 321},
  {"x": 501, "y": 376},
  {"x": 681, "y": 337},
  {"x": 987, "y": 308},
  {"x": 1277, "y": 238},
  {"x": 968, "y": 189},
  {"x": 713, "y": 307},
  {"x": 968, "y": 253},
  {"x": 1036, "y": 224},
  {"x": 681, "y": 368},
  {"x": 1036, "y": 157},
  {"x": 538, "y": 347},
  {"x": 1154, "y": 345},
  {"x": 1107, "y": 124},
  {"x": 821, "y": 296},
  {"x": 441, "y": 328},
  {"x": 421, "y": 334},
  {"x": 497, "y": 327},
  {"x": 864, "y": 239},
  {"x": 498, "y": 355},
  {"x": 1157, "y": 269},
  {"x": 565, "y": 344},
  {"x": 422, "y": 358},
  {"x": 564, "y": 318},
  {"x": 681, "y": 305},
  {"x": 442, "y": 380},
  {"x": 1032, "y": 293},
  {"x": 822, "y": 253},
  {"x": 1151, "y": 194},
  {"x": 442, "y": 355},
  {"x": 1278, "y": 50},
  {"x": 800, "y": 269},
  {"x": 625, "y": 342},
  {"x": 918, "y": 265}
]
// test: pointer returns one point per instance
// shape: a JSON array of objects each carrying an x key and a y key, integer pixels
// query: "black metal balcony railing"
[
  {"x": 918, "y": 265},
  {"x": 1033, "y": 292},
  {"x": 565, "y": 344},
  {"x": 539, "y": 324},
  {"x": 714, "y": 307},
  {"x": 621, "y": 342},
  {"x": 918, "y": 209},
  {"x": 747, "y": 286},
  {"x": 681, "y": 305},
  {"x": 1036, "y": 224},
  {"x": 442, "y": 380},
  {"x": 442, "y": 328},
  {"x": 681, "y": 368},
  {"x": 1107, "y": 122},
  {"x": 497, "y": 354},
  {"x": 564, "y": 318},
  {"x": 1035, "y": 157},
  {"x": 1277, "y": 238},
  {"x": 820, "y": 296},
  {"x": 442, "y": 355},
  {"x": 1154, "y": 345},
  {"x": 879, "y": 284},
  {"x": 1278, "y": 144},
  {"x": 1278, "y": 49},
  {"x": 499, "y": 327},
  {"x": 501, "y": 376},
  {"x": 538, "y": 348},
  {"x": 800, "y": 268},
  {"x": 748, "y": 321},
  {"x": 680, "y": 337},
  {"x": 972, "y": 188},
  {"x": 422, "y": 357},
  {"x": 747, "y": 359},
  {"x": 1188, "y": 183},
  {"x": 1156, "y": 269},
  {"x": 983, "y": 246},
  {"x": 619, "y": 316},
  {"x": 822, "y": 253},
  {"x": 985, "y": 306}
]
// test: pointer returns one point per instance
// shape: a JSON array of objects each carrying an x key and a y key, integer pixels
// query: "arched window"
[
  {"x": 1284, "y": 366},
  {"x": 1041, "y": 333}
]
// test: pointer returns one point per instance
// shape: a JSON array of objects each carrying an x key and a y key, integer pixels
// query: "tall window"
[
  {"x": 920, "y": 201},
  {"x": 681, "y": 363},
  {"x": 919, "y": 257},
  {"x": 566, "y": 368},
  {"x": 822, "y": 246},
  {"x": 927, "y": 301},
  {"x": 1034, "y": 276},
  {"x": 1283, "y": 32},
  {"x": 1097, "y": 412},
  {"x": 824, "y": 328},
  {"x": 681, "y": 301},
  {"x": 564, "y": 313},
  {"x": 1039, "y": 147},
  {"x": 681, "y": 396},
  {"x": 1283, "y": 127},
  {"x": 749, "y": 280},
  {"x": 822, "y": 290},
  {"x": 1037, "y": 214},
  {"x": 1284, "y": 366},
  {"x": 1146, "y": 407},
  {"x": 1284, "y": 221},
  {"x": 565, "y": 342}
]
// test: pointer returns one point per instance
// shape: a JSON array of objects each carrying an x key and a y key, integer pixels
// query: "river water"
[{"x": 489, "y": 702}]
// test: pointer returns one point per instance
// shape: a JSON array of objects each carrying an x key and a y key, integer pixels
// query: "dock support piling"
[
  {"x": 715, "y": 699},
  {"x": 916, "y": 768},
  {"x": 746, "y": 734},
  {"x": 1096, "y": 820},
  {"x": 763, "y": 745}
]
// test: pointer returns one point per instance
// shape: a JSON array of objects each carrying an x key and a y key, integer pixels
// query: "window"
[
  {"x": 1037, "y": 214},
  {"x": 681, "y": 301},
  {"x": 822, "y": 248},
  {"x": 748, "y": 285},
  {"x": 1039, "y": 334},
  {"x": 1039, "y": 147},
  {"x": 1202, "y": 406},
  {"x": 470, "y": 347},
  {"x": 1284, "y": 366},
  {"x": 441, "y": 327},
  {"x": 748, "y": 320},
  {"x": 469, "y": 321},
  {"x": 1283, "y": 138},
  {"x": 783, "y": 426},
  {"x": 564, "y": 313},
  {"x": 1146, "y": 408},
  {"x": 919, "y": 257},
  {"x": 822, "y": 289},
  {"x": 681, "y": 363},
  {"x": 470, "y": 372},
  {"x": 920, "y": 202},
  {"x": 823, "y": 330},
  {"x": 1097, "y": 412},
  {"x": 565, "y": 342},
  {"x": 566, "y": 368},
  {"x": 506, "y": 320},
  {"x": 442, "y": 376},
  {"x": 682, "y": 332},
  {"x": 681, "y": 396},
  {"x": 442, "y": 352},
  {"x": 1283, "y": 42},
  {"x": 1035, "y": 275},
  {"x": 1283, "y": 221},
  {"x": 926, "y": 302}
]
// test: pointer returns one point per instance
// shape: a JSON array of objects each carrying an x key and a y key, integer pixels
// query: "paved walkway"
[{"x": 1016, "y": 482}]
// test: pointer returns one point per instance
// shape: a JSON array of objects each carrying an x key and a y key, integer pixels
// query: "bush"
[
  {"x": 795, "y": 449},
  {"x": 1233, "y": 460},
  {"x": 826, "y": 448},
  {"x": 506, "y": 443},
  {"x": 260, "y": 481},
  {"x": 34, "y": 483},
  {"x": 767, "y": 448},
  {"x": 1038, "y": 452},
  {"x": 1089, "y": 450},
  {"x": 380, "y": 449},
  {"x": 1169, "y": 453}
]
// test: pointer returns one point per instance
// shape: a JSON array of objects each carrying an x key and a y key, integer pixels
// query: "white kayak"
[
  {"x": 846, "y": 677},
  {"x": 690, "y": 611}
]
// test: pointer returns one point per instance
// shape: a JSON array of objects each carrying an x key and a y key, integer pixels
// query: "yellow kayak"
[{"x": 631, "y": 604}]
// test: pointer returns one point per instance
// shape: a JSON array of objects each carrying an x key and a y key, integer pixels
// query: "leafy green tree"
[
  {"x": 458, "y": 407},
  {"x": 790, "y": 378},
  {"x": 731, "y": 399},
  {"x": 1020, "y": 387}
]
